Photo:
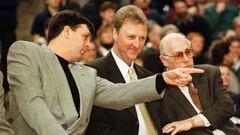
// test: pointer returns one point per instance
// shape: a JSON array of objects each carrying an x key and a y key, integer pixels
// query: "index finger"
[{"x": 193, "y": 70}]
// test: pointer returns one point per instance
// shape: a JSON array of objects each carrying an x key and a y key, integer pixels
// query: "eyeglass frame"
[{"x": 182, "y": 53}]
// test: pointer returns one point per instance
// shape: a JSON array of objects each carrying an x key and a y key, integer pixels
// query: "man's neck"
[
  {"x": 61, "y": 51},
  {"x": 118, "y": 55}
]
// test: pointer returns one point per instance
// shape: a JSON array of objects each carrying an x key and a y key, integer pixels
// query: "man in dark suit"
[
  {"x": 129, "y": 39},
  {"x": 202, "y": 107}
]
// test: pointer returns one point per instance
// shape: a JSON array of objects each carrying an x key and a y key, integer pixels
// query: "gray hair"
[{"x": 172, "y": 36}]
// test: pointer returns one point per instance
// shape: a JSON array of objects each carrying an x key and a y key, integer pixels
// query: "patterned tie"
[
  {"x": 194, "y": 95},
  {"x": 148, "y": 121}
]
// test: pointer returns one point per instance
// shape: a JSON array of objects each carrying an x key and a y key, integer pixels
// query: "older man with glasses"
[{"x": 200, "y": 108}]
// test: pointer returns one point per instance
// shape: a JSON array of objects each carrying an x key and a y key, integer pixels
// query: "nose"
[
  {"x": 185, "y": 58},
  {"x": 136, "y": 43}
]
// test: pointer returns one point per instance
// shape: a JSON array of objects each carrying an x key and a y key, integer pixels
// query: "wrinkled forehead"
[
  {"x": 176, "y": 44},
  {"x": 82, "y": 28}
]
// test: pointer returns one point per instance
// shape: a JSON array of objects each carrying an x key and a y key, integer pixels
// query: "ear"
[
  {"x": 164, "y": 60},
  {"x": 115, "y": 35},
  {"x": 67, "y": 32}
]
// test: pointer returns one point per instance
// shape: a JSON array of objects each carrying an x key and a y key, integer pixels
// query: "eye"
[
  {"x": 142, "y": 38},
  {"x": 86, "y": 37},
  {"x": 179, "y": 55},
  {"x": 188, "y": 52},
  {"x": 131, "y": 37}
]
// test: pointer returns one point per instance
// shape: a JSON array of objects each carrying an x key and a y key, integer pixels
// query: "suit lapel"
[
  {"x": 115, "y": 76},
  {"x": 63, "y": 90},
  {"x": 200, "y": 82},
  {"x": 139, "y": 72},
  {"x": 112, "y": 69},
  {"x": 176, "y": 94}
]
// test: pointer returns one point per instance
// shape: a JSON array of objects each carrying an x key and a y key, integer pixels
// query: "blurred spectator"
[
  {"x": 188, "y": 23},
  {"x": 8, "y": 22},
  {"x": 52, "y": 7},
  {"x": 237, "y": 25},
  {"x": 220, "y": 56},
  {"x": 167, "y": 29},
  {"x": 162, "y": 6},
  {"x": 68, "y": 4},
  {"x": 203, "y": 5},
  {"x": 193, "y": 7},
  {"x": 197, "y": 42},
  {"x": 227, "y": 34},
  {"x": 107, "y": 12},
  {"x": 90, "y": 55},
  {"x": 151, "y": 14},
  {"x": 91, "y": 10},
  {"x": 150, "y": 55},
  {"x": 234, "y": 54},
  {"x": 218, "y": 53},
  {"x": 225, "y": 73},
  {"x": 220, "y": 17},
  {"x": 104, "y": 39},
  {"x": 235, "y": 3}
]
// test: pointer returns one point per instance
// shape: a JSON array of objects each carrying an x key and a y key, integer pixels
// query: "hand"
[
  {"x": 220, "y": 7},
  {"x": 180, "y": 76},
  {"x": 177, "y": 126}
]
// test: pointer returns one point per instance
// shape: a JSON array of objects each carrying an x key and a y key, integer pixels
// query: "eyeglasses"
[{"x": 180, "y": 55}]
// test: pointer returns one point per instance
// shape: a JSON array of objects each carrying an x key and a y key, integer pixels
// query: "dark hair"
[
  {"x": 108, "y": 5},
  {"x": 232, "y": 39},
  {"x": 219, "y": 50},
  {"x": 67, "y": 18}
]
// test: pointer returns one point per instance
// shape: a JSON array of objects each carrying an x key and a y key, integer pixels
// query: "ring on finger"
[{"x": 174, "y": 126}]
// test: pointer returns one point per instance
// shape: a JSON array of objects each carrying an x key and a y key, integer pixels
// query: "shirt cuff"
[
  {"x": 160, "y": 84},
  {"x": 205, "y": 120}
]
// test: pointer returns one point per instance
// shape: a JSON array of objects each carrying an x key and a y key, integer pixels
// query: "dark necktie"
[{"x": 194, "y": 95}]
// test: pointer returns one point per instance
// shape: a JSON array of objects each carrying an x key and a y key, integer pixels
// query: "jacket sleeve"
[
  {"x": 5, "y": 127},
  {"x": 122, "y": 96},
  {"x": 223, "y": 108}
]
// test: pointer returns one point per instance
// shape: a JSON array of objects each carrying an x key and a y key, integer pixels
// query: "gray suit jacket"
[
  {"x": 5, "y": 128},
  {"x": 43, "y": 98}
]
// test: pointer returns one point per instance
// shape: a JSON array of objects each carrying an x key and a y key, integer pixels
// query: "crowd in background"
[{"x": 212, "y": 26}]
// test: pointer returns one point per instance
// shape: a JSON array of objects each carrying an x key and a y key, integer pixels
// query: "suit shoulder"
[
  {"x": 87, "y": 67},
  {"x": 143, "y": 70},
  {"x": 208, "y": 68},
  {"x": 24, "y": 45},
  {"x": 97, "y": 63}
]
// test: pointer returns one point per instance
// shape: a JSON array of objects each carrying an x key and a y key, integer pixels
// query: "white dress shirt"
[
  {"x": 184, "y": 90},
  {"x": 123, "y": 67}
]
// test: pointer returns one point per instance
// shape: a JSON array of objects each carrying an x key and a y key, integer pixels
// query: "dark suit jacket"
[
  {"x": 217, "y": 104},
  {"x": 109, "y": 122}
]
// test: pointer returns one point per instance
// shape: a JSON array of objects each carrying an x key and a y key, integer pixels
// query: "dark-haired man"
[{"x": 54, "y": 94}]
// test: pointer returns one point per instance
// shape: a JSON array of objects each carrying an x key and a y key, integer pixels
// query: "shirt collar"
[{"x": 123, "y": 67}]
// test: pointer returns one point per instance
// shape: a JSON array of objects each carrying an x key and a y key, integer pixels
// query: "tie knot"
[
  {"x": 132, "y": 74},
  {"x": 190, "y": 84}
]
